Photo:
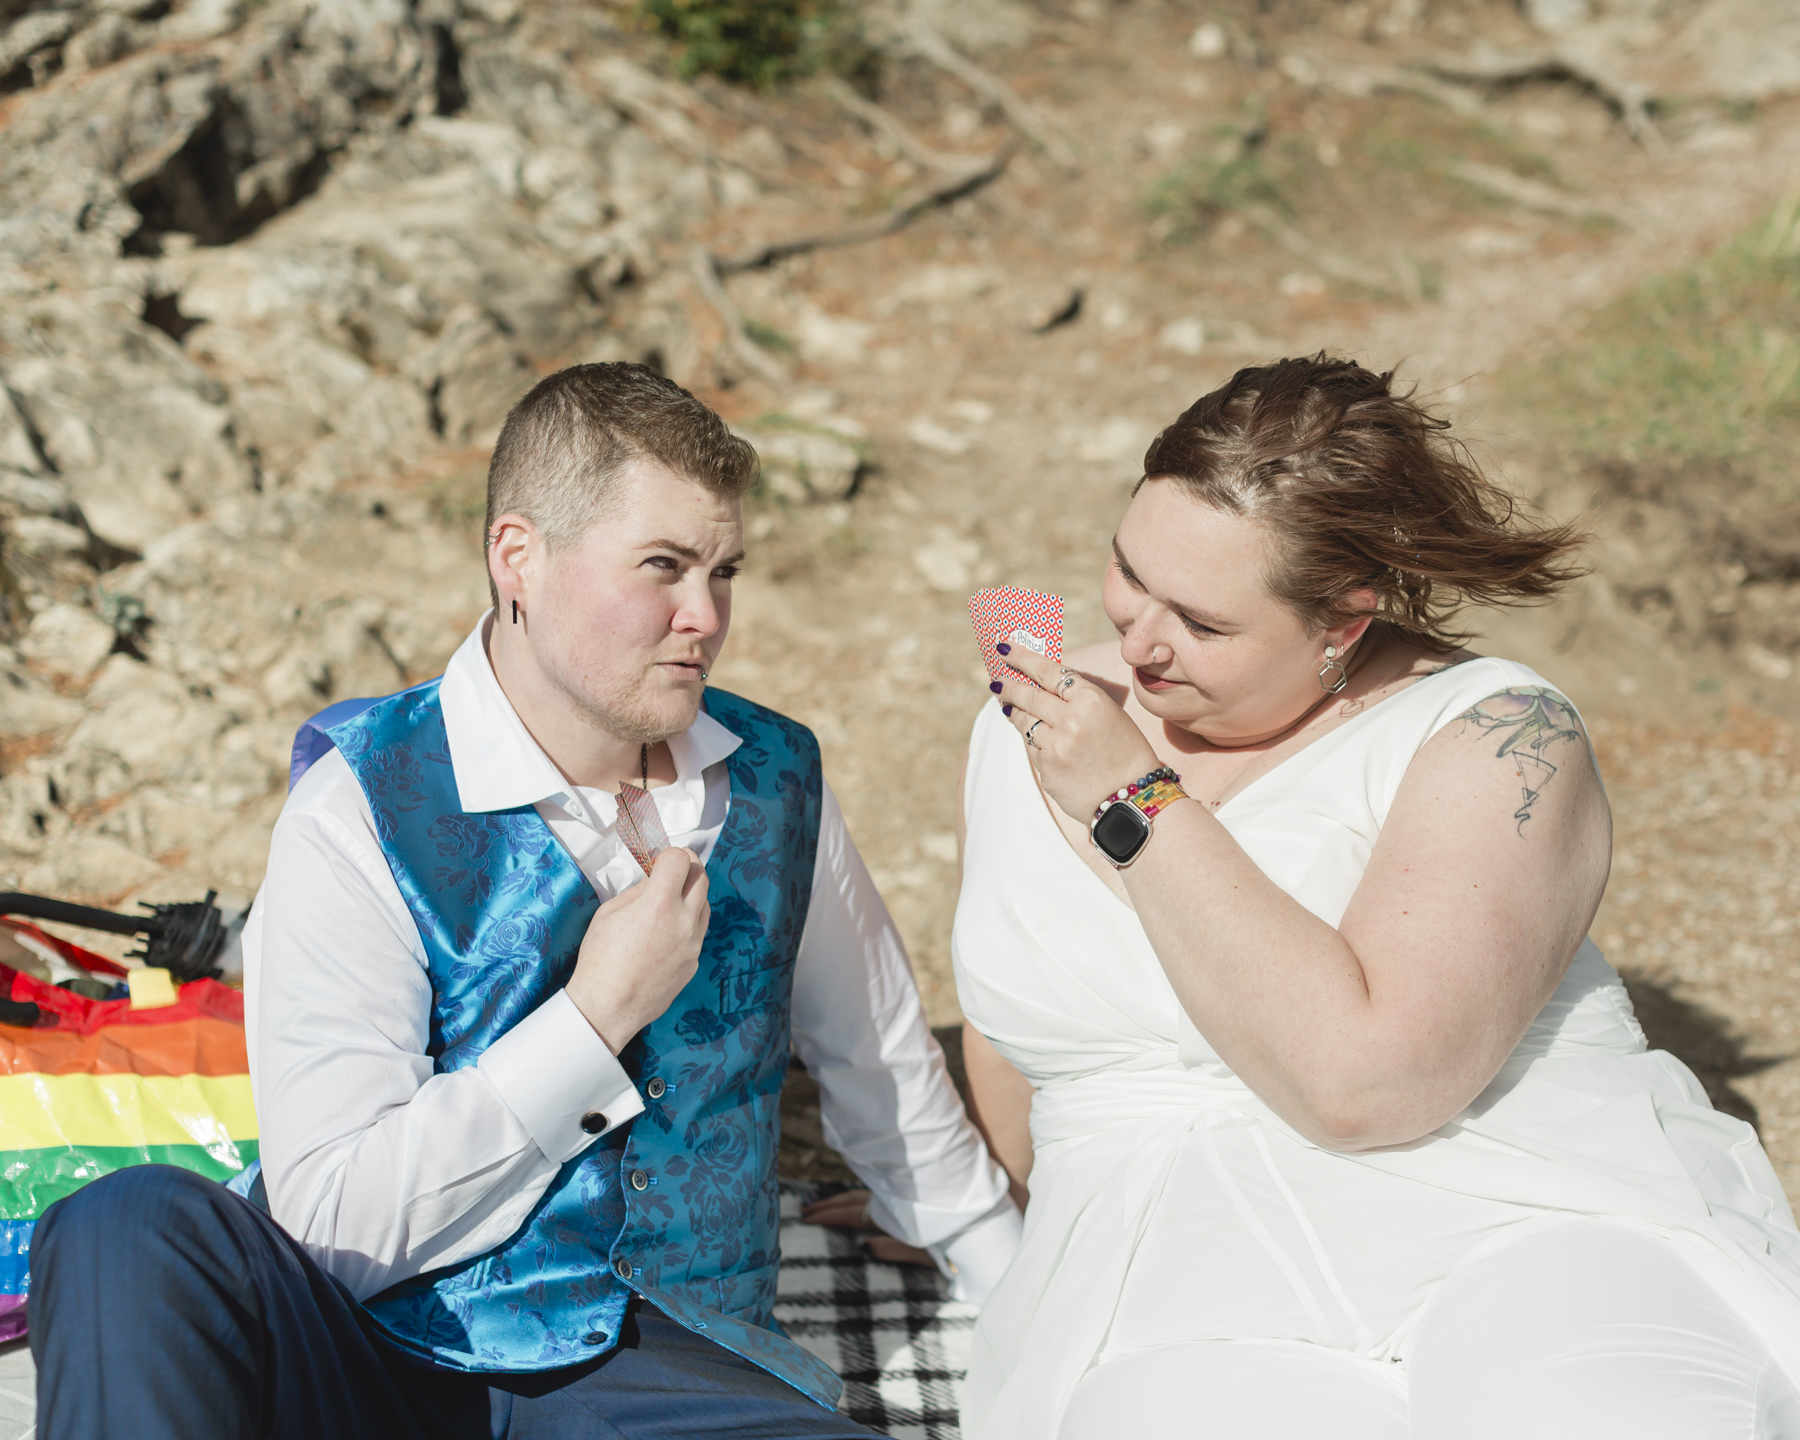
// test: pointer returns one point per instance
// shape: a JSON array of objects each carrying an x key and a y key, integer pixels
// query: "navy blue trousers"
[{"x": 163, "y": 1307}]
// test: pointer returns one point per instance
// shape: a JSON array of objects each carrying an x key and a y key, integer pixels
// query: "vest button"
[
  {"x": 656, "y": 1089},
  {"x": 622, "y": 1268},
  {"x": 640, "y": 1180},
  {"x": 593, "y": 1337},
  {"x": 593, "y": 1122}
]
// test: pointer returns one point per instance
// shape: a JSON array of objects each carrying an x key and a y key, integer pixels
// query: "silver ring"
[
  {"x": 1069, "y": 677},
  {"x": 1031, "y": 730}
]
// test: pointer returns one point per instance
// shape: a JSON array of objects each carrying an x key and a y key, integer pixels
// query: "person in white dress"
[{"x": 1333, "y": 1121}]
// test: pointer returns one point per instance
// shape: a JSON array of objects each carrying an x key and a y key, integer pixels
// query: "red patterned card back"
[
  {"x": 640, "y": 826},
  {"x": 1025, "y": 618}
]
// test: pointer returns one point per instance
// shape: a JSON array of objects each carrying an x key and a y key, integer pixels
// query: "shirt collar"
[{"x": 497, "y": 764}]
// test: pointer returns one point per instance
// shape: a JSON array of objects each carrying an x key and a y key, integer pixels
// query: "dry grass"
[{"x": 1704, "y": 362}]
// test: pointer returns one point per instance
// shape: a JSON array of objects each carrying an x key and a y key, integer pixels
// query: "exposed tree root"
[
  {"x": 1629, "y": 100},
  {"x": 751, "y": 355},
  {"x": 1293, "y": 240},
  {"x": 942, "y": 192},
  {"x": 655, "y": 104},
  {"x": 1532, "y": 194},
  {"x": 1365, "y": 82},
  {"x": 889, "y": 125},
  {"x": 917, "y": 38}
]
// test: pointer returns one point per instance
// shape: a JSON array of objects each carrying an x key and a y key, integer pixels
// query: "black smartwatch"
[
  {"x": 1120, "y": 832},
  {"x": 1121, "y": 826}
]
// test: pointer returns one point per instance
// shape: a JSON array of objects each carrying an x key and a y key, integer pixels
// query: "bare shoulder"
[{"x": 1530, "y": 740}]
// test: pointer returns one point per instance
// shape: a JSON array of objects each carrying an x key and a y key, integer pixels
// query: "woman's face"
[{"x": 1211, "y": 650}]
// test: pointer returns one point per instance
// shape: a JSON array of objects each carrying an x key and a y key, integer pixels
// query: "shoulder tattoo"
[{"x": 1528, "y": 722}]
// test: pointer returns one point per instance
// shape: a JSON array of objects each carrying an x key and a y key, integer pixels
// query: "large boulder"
[{"x": 140, "y": 435}]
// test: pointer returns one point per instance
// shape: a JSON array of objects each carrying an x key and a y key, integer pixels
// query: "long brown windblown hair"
[{"x": 1361, "y": 488}]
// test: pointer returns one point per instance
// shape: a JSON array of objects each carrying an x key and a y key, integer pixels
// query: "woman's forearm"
[
  {"x": 1379, "y": 1027},
  {"x": 1382, "y": 1029},
  {"x": 1273, "y": 988}
]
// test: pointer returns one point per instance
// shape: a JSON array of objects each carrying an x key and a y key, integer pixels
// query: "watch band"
[{"x": 1121, "y": 826}]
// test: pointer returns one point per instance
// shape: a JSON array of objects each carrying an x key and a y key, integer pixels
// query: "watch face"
[{"x": 1121, "y": 832}]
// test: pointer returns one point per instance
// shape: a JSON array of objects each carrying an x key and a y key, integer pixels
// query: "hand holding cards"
[
  {"x": 1025, "y": 619},
  {"x": 1083, "y": 744}
]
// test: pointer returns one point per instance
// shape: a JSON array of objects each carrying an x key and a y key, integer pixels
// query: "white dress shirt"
[{"x": 384, "y": 1169}]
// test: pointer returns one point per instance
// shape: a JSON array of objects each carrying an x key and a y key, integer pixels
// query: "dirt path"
[
  {"x": 1249, "y": 181},
  {"x": 1005, "y": 456}
]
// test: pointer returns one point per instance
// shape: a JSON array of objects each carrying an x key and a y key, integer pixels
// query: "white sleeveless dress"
[{"x": 1168, "y": 1204}]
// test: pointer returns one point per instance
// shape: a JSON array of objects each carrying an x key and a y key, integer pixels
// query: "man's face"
[{"x": 626, "y": 618}]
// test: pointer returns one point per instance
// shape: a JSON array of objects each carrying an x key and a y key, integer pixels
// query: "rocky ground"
[{"x": 270, "y": 275}]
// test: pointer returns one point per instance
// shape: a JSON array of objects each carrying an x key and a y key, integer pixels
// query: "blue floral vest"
[{"x": 680, "y": 1206}]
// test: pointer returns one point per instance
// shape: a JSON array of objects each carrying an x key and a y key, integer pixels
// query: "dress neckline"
[
  {"x": 1349, "y": 725},
  {"x": 1062, "y": 841}
]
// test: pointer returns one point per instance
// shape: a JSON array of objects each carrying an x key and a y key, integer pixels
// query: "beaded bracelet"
[{"x": 1150, "y": 793}]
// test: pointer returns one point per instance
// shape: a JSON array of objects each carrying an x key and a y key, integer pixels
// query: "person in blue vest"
[{"x": 518, "y": 1051}]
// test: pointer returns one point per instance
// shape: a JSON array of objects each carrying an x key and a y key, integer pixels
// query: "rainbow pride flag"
[{"x": 96, "y": 1086}]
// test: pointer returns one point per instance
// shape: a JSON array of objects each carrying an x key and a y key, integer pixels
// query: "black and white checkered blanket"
[
  {"x": 892, "y": 1332},
  {"x": 889, "y": 1330}
]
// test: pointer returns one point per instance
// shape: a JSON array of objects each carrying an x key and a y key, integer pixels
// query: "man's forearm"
[
  {"x": 382, "y": 1177},
  {"x": 380, "y": 1165},
  {"x": 886, "y": 1100}
]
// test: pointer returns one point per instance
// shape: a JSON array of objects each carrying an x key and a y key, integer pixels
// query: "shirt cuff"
[
  {"x": 554, "y": 1072},
  {"x": 974, "y": 1259}
]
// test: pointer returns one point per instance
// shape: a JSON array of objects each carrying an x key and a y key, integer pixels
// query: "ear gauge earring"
[{"x": 1332, "y": 675}]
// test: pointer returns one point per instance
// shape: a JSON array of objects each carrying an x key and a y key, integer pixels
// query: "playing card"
[
  {"x": 640, "y": 826},
  {"x": 1027, "y": 619}
]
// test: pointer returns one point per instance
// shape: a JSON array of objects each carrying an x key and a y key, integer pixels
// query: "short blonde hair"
[{"x": 559, "y": 455}]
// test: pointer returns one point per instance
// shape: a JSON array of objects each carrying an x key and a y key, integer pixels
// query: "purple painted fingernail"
[
  {"x": 995, "y": 686},
  {"x": 1003, "y": 649},
  {"x": 1006, "y": 709}
]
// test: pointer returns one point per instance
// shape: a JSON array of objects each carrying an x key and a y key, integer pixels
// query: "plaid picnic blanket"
[
  {"x": 892, "y": 1332},
  {"x": 889, "y": 1330}
]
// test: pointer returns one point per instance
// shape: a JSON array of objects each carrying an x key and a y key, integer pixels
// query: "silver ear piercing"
[{"x": 1332, "y": 675}]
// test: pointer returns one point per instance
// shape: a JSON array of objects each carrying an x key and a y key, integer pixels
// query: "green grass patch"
[
  {"x": 768, "y": 337},
  {"x": 1412, "y": 139},
  {"x": 760, "y": 43},
  {"x": 1229, "y": 170},
  {"x": 1399, "y": 157},
  {"x": 1701, "y": 362}
]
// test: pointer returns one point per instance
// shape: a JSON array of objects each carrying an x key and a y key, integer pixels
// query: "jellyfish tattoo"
[{"x": 1528, "y": 721}]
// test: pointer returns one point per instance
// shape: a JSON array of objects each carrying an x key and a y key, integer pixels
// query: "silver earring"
[{"x": 1332, "y": 675}]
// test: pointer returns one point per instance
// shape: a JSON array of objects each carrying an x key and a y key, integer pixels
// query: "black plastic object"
[
  {"x": 184, "y": 939},
  {"x": 19, "y": 1012}
]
